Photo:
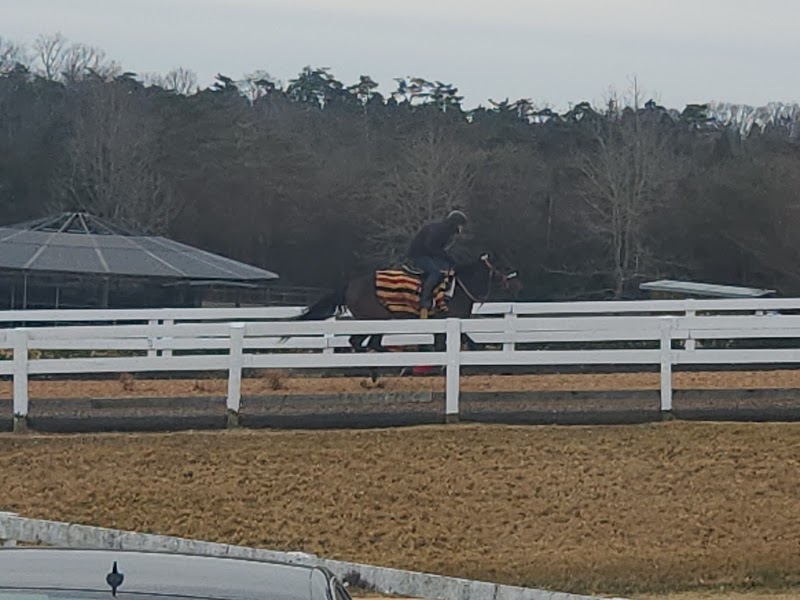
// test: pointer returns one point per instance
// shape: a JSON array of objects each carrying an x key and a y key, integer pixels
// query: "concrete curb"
[{"x": 14, "y": 528}]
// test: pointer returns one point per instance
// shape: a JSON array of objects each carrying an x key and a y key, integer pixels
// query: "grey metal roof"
[
  {"x": 704, "y": 289},
  {"x": 81, "y": 243}
]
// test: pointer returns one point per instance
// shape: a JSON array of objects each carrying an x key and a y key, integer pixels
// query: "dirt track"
[
  {"x": 285, "y": 383},
  {"x": 724, "y": 595},
  {"x": 628, "y": 510}
]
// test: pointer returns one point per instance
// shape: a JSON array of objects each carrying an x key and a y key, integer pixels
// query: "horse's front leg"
[
  {"x": 440, "y": 344},
  {"x": 376, "y": 345},
  {"x": 471, "y": 345}
]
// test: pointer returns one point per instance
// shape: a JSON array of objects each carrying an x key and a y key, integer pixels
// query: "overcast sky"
[{"x": 552, "y": 51}]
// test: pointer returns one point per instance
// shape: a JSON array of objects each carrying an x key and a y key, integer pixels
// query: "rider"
[{"x": 428, "y": 251}]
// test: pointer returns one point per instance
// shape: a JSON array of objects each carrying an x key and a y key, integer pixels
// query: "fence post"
[
  {"x": 152, "y": 327},
  {"x": 19, "y": 342},
  {"x": 509, "y": 320},
  {"x": 167, "y": 352},
  {"x": 329, "y": 347},
  {"x": 666, "y": 364},
  {"x": 453, "y": 370},
  {"x": 690, "y": 341},
  {"x": 235, "y": 373}
]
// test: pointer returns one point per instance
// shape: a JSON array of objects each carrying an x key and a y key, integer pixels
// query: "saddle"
[
  {"x": 399, "y": 290},
  {"x": 411, "y": 269}
]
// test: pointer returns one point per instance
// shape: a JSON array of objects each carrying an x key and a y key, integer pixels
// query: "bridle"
[{"x": 505, "y": 278}]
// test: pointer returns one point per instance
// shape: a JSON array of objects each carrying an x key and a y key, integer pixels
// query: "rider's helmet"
[{"x": 458, "y": 218}]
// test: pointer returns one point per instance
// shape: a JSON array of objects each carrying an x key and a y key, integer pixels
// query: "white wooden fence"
[
  {"x": 509, "y": 311},
  {"x": 686, "y": 307},
  {"x": 234, "y": 346}
]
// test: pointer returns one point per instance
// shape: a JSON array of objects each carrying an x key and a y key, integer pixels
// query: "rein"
[{"x": 492, "y": 272}]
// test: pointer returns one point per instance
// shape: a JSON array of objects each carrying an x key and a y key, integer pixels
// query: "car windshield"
[{"x": 340, "y": 593}]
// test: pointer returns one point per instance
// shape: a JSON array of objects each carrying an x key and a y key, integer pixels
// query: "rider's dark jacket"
[{"x": 433, "y": 240}]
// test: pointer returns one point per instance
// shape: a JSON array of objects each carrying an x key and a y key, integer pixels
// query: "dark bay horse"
[{"x": 473, "y": 285}]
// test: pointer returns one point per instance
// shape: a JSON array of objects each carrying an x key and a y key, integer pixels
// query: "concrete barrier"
[{"x": 14, "y": 528}]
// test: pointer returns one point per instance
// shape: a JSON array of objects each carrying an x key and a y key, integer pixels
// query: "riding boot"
[{"x": 426, "y": 296}]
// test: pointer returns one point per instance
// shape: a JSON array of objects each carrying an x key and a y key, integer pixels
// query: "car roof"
[{"x": 162, "y": 573}]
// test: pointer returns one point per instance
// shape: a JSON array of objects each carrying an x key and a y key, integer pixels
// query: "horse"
[{"x": 471, "y": 283}]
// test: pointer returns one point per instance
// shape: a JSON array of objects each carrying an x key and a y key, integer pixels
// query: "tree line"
[{"x": 320, "y": 180}]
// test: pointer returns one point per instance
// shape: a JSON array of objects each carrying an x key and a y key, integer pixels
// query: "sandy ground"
[
  {"x": 717, "y": 595},
  {"x": 628, "y": 510},
  {"x": 723, "y": 595},
  {"x": 286, "y": 383}
]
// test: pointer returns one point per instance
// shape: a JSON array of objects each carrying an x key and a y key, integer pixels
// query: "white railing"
[
  {"x": 148, "y": 315},
  {"x": 233, "y": 346},
  {"x": 490, "y": 309},
  {"x": 509, "y": 311}
]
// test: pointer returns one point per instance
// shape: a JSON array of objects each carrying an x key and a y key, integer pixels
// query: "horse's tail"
[{"x": 326, "y": 307}]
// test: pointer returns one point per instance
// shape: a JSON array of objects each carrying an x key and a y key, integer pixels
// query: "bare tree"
[
  {"x": 58, "y": 60},
  {"x": 627, "y": 177},
  {"x": 757, "y": 210},
  {"x": 179, "y": 80},
  {"x": 50, "y": 52},
  {"x": 435, "y": 175},
  {"x": 11, "y": 53},
  {"x": 113, "y": 159},
  {"x": 80, "y": 60}
]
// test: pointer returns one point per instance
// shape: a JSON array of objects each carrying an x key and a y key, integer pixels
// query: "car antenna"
[{"x": 114, "y": 579}]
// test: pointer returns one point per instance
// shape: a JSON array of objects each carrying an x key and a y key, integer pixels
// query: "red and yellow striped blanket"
[{"x": 399, "y": 292}]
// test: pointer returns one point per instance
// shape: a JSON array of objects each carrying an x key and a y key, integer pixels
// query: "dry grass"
[
  {"x": 275, "y": 378},
  {"x": 642, "y": 509}
]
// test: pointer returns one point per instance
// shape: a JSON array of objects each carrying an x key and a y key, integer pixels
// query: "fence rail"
[
  {"x": 489, "y": 309},
  {"x": 510, "y": 312},
  {"x": 232, "y": 346}
]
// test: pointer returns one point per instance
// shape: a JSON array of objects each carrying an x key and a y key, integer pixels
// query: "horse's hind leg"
[
  {"x": 440, "y": 345},
  {"x": 357, "y": 342},
  {"x": 375, "y": 343}
]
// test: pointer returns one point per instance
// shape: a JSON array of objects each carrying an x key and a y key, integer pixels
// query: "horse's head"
[
  {"x": 482, "y": 274},
  {"x": 508, "y": 278}
]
